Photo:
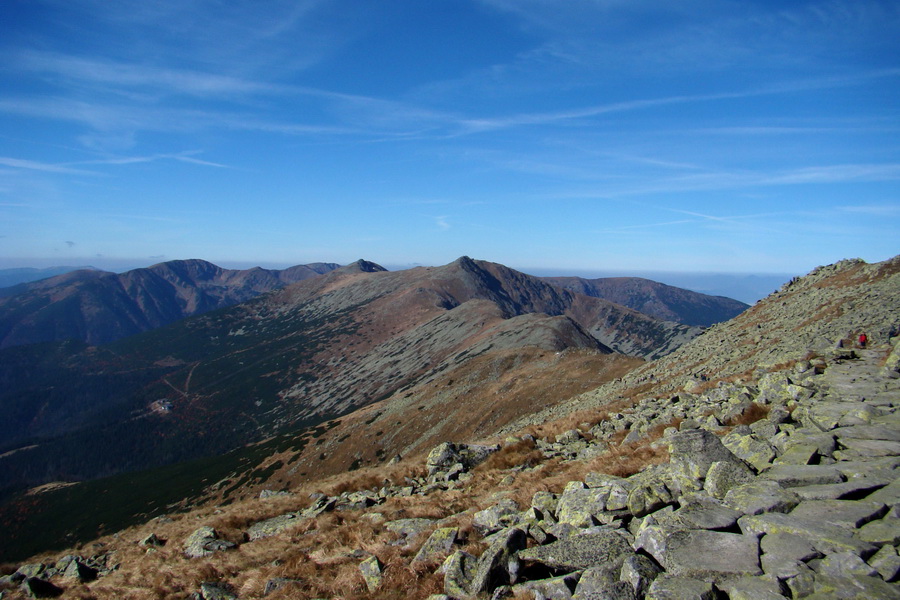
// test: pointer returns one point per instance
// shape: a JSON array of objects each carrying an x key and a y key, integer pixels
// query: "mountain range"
[{"x": 297, "y": 356}]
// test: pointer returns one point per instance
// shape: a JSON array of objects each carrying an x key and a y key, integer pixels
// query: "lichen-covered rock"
[
  {"x": 711, "y": 555},
  {"x": 499, "y": 564},
  {"x": 458, "y": 572},
  {"x": 499, "y": 516},
  {"x": 595, "y": 547},
  {"x": 694, "y": 451},
  {"x": 578, "y": 505},
  {"x": 205, "y": 541},
  {"x": 439, "y": 543},
  {"x": 370, "y": 569},
  {"x": 675, "y": 587},
  {"x": 273, "y": 526}
]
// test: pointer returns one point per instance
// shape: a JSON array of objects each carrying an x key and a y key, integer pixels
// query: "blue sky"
[{"x": 632, "y": 135}]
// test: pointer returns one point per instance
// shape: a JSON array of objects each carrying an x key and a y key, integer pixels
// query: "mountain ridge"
[
  {"x": 99, "y": 307},
  {"x": 662, "y": 301}
]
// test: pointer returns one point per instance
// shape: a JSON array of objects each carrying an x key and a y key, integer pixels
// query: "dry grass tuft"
[
  {"x": 750, "y": 415},
  {"x": 522, "y": 453}
]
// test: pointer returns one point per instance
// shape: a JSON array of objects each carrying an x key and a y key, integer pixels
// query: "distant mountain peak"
[{"x": 365, "y": 266}]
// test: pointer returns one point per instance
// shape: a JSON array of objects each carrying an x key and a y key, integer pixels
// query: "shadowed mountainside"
[
  {"x": 99, "y": 307},
  {"x": 659, "y": 300},
  {"x": 298, "y": 356}
]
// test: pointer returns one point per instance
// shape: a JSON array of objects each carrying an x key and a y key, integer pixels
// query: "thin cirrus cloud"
[{"x": 31, "y": 165}]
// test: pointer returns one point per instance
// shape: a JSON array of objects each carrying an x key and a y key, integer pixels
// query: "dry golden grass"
[{"x": 750, "y": 415}]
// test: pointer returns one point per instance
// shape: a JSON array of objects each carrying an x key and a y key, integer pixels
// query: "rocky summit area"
[{"x": 776, "y": 480}]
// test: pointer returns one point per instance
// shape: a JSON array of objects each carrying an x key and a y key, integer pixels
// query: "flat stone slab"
[
  {"x": 843, "y": 513},
  {"x": 788, "y": 547},
  {"x": 881, "y": 532},
  {"x": 761, "y": 496},
  {"x": 889, "y": 494},
  {"x": 674, "y": 587},
  {"x": 870, "y": 448},
  {"x": 711, "y": 555},
  {"x": 838, "y": 491},
  {"x": 801, "y": 475},
  {"x": 826, "y": 538},
  {"x": 868, "y": 432},
  {"x": 701, "y": 516},
  {"x": 581, "y": 551}
]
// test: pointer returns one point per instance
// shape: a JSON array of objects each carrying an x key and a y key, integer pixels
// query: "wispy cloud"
[
  {"x": 31, "y": 165},
  {"x": 187, "y": 157},
  {"x": 475, "y": 125},
  {"x": 137, "y": 75},
  {"x": 875, "y": 210}
]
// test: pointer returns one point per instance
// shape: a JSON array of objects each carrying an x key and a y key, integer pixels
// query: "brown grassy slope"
[{"x": 470, "y": 402}]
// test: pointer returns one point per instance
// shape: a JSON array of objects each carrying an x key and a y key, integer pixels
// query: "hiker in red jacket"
[{"x": 862, "y": 340}]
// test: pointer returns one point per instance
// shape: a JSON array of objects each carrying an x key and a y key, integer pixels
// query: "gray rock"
[
  {"x": 723, "y": 476},
  {"x": 843, "y": 513},
  {"x": 801, "y": 475},
  {"x": 494, "y": 518},
  {"x": 837, "y": 491},
  {"x": 711, "y": 555},
  {"x": 555, "y": 588},
  {"x": 706, "y": 516},
  {"x": 639, "y": 571},
  {"x": 498, "y": 565},
  {"x": 152, "y": 540},
  {"x": 604, "y": 546},
  {"x": 788, "y": 547},
  {"x": 674, "y": 587},
  {"x": 826, "y": 538},
  {"x": 273, "y": 526},
  {"x": 439, "y": 543},
  {"x": 458, "y": 571},
  {"x": 216, "y": 591},
  {"x": 370, "y": 569},
  {"x": 35, "y": 587},
  {"x": 579, "y": 506},
  {"x": 845, "y": 564},
  {"x": 753, "y": 588},
  {"x": 694, "y": 451},
  {"x": 409, "y": 529},
  {"x": 761, "y": 496},
  {"x": 447, "y": 454},
  {"x": 887, "y": 563},
  {"x": 203, "y": 542}
]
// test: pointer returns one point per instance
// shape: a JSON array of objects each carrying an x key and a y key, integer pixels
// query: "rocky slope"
[
  {"x": 98, "y": 307},
  {"x": 662, "y": 301},
  {"x": 783, "y": 486}
]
